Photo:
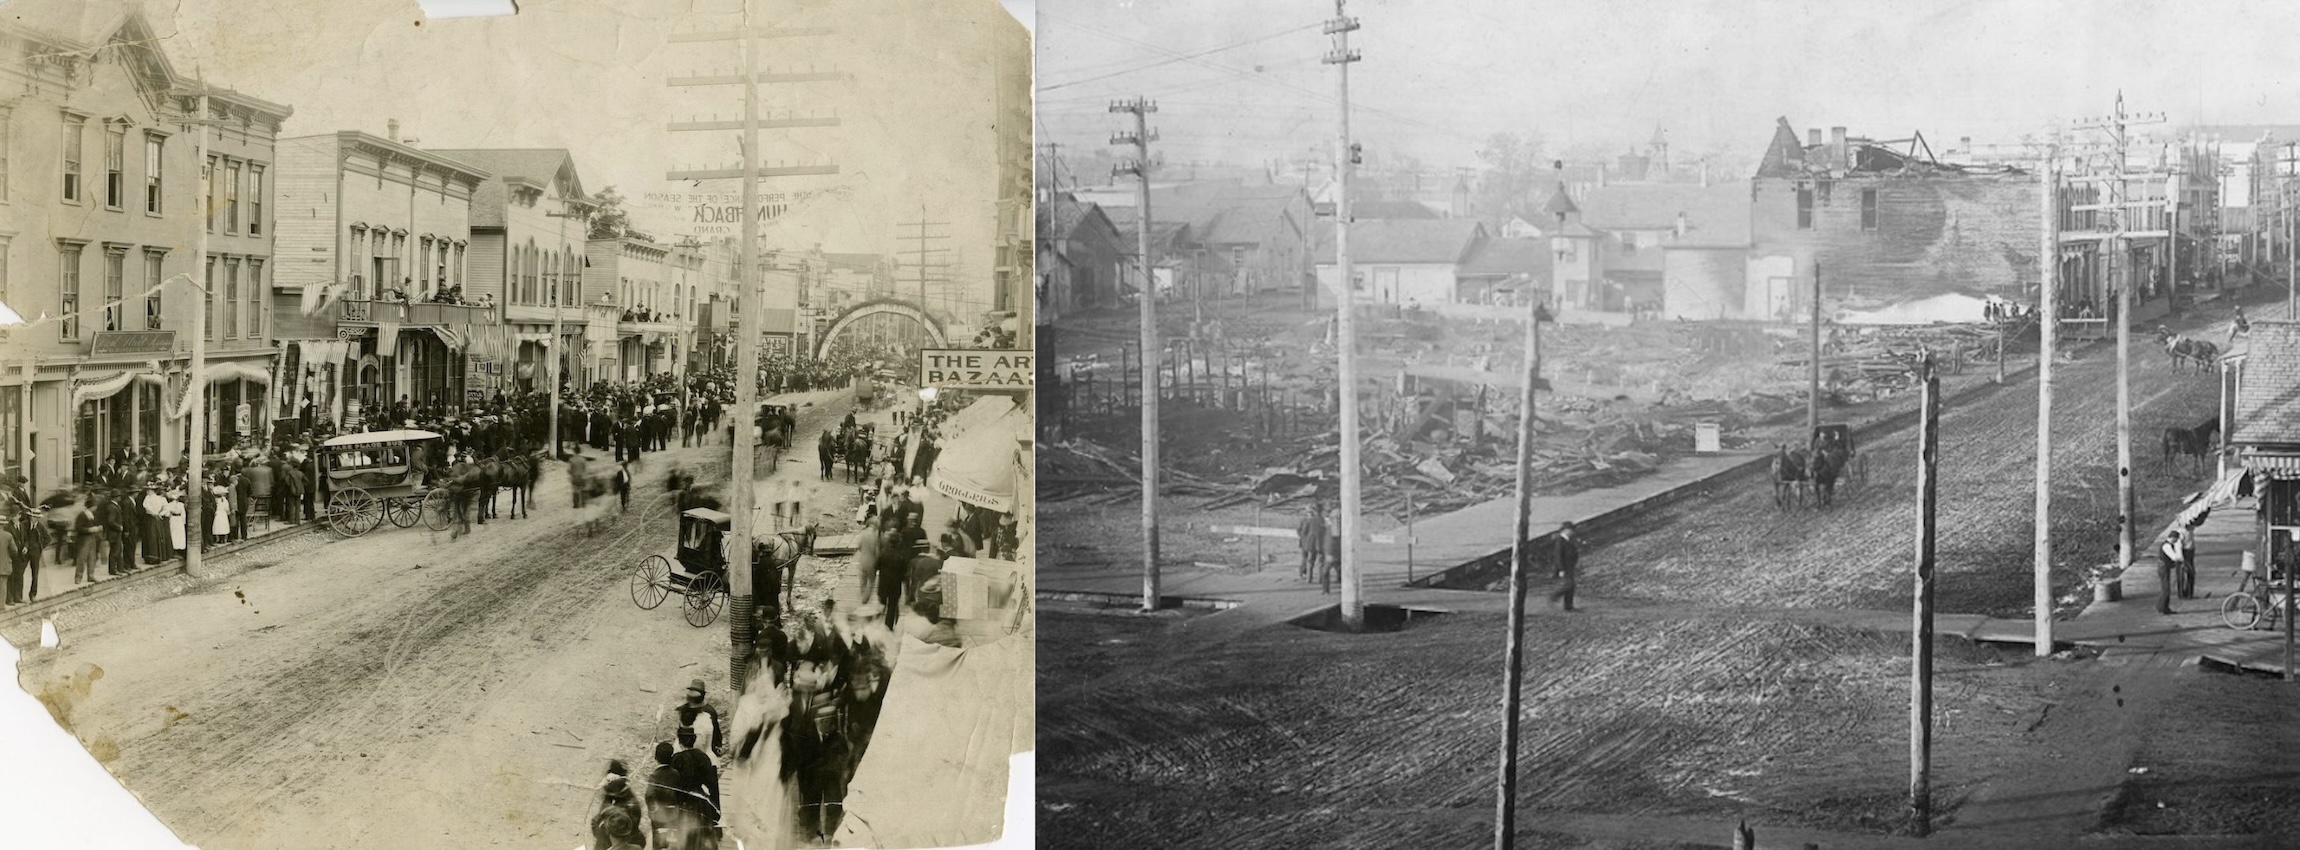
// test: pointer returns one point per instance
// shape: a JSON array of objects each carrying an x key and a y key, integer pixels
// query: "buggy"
[
  {"x": 375, "y": 476},
  {"x": 697, "y": 570}
]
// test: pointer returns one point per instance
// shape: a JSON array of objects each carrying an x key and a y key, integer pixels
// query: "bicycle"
[{"x": 2255, "y": 601}]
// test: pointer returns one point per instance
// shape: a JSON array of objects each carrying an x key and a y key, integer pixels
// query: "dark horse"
[
  {"x": 2195, "y": 442},
  {"x": 1790, "y": 470},
  {"x": 774, "y": 569},
  {"x": 1827, "y": 459}
]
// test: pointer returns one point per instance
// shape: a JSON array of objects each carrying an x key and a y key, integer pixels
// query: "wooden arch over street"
[{"x": 878, "y": 307}]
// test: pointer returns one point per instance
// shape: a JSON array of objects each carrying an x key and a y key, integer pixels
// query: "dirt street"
[
  {"x": 1280, "y": 736},
  {"x": 402, "y": 689}
]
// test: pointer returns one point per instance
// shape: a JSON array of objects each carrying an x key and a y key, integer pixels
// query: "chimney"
[
  {"x": 391, "y": 129},
  {"x": 1838, "y": 156},
  {"x": 1966, "y": 143},
  {"x": 1812, "y": 137},
  {"x": 1681, "y": 225}
]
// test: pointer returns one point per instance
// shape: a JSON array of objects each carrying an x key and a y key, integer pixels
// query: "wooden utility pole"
[
  {"x": 1813, "y": 370},
  {"x": 1346, "y": 156},
  {"x": 196, "y": 487},
  {"x": 1521, "y": 560},
  {"x": 2048, "y": 331},
  {"x": 742, "y": 629},
  {"x": 1921, "y": 641},
  {"x": 930, "y": 262},
  {"x": 1140, "y": 167},
  {"x": 2118, "y": 125}
]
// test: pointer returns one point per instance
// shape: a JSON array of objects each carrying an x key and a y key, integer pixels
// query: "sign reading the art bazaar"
[{"x": 976, "y": 369}]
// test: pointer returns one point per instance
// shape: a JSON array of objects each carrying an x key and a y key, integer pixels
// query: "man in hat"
[
  {"x": 698, "y": 710},
  {"x": 1568, "y": 565}
]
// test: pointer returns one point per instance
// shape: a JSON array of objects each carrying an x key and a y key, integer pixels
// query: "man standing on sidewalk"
[
  {"x": 1568, "y": 565},
  {"x": 1311, "y": 534},
  {"x": 2187, "y": 571},
  {"x": 2167, "y": 557}
]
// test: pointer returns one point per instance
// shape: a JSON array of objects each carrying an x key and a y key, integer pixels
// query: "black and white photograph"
[
  {"x": 1637, "y": 425},
  {"x": 517, "y": 423}
]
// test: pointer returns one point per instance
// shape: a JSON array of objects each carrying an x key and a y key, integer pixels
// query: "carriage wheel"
[
  {"x": 706, "y": 597},
  {"x": 352, "y": 512},
  {"x": 2240, "y": 611},
  {"x": 438, "y": 511},
  {"x": 651, "y": 581},
  {"x": 403, "y": 513}
]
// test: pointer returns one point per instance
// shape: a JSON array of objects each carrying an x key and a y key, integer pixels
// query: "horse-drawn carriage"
[
  {"x": 1812, "y": 473},
  {"x": 376, "y": 476},
  {"x": 697, "y": 570}
]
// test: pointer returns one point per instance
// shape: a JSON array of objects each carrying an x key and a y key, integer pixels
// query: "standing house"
[
  {"x": 528, "y": 241},
  {"x": 383, "y": 230},
  {"x": 646, "y": 286},
  {"x": 1643, "y": 222},
  {"x": 98, "y": 195},
  {"x": 1080, "y": 256},
  {"x": 2264, "y": 433},
  {"x": 1887, "y": 223},
  {"x": 1402, "y": 261}
]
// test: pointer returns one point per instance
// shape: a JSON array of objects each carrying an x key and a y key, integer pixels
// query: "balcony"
[{"x": 368, "y": 313}]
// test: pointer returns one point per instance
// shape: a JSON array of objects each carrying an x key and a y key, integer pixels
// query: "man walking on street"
[
  {"x": 1311, "y": 534},
  {"x": 1568, "y": 565}
]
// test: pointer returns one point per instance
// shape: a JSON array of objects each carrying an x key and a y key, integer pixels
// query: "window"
[
  {"x": 74, "y": 125},
  {"x": 231, "y": 298},
  {"x": 1868, "y": 209},
  {"x": 154, "y": 276},
  {"x": 68, "y": 291},
  {"x": 352, "y": 264},
  {"x": 115, "y": 165},
  {"x": 3, "y": 268},
  {"x": 211, "y": 176},
  {"x": 1804, "y": 208},
  {"x": 255, "y": 200},
  {"x": 232, "y": 197},
  {"x": 440, "y": 272},
  {"x": 208, "y": 300},
  {"x": 152, "y": 144},
  {"x": 115, "y": 286},
  {"x": 258, "y": 296},
  {"x": 423, "y": 264}
]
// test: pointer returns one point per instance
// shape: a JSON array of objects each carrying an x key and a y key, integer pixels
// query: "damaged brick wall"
[{"x": 1934, "y": 234}]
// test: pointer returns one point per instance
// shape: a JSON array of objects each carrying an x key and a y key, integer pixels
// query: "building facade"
[
  {"x": 376, "y": 306},
  {"x": 100, "y": 225},
  {"x": 528, "y": 240}
]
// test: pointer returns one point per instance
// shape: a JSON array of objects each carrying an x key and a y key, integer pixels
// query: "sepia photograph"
[
  {"x": 1764, "y": 423},
  {"x": 517, "y": 423}
]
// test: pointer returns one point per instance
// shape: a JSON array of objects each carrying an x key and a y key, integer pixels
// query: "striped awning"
[
  {"x": 2221, "y": 493},
  {"x": 2276, "y": 466}
]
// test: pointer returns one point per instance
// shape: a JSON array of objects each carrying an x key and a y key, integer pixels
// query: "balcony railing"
[{"x": 419, "y": 313}]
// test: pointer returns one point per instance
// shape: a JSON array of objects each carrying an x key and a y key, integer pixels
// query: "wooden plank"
[{"x": 1254, "y": 531}]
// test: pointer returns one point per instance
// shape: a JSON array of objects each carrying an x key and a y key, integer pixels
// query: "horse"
[
  {"x": 1822, "y": 466},
  {"x": 2195, "y": 442},
  {"x": 462, "y": 481},
  {"x": 493, "y": 474},
  {"x": 520, "y": 472},
  {"x": 774, "y": 567},
  {"x": 2185, "y": 350},
  {"x": 1790, "y": 467}
]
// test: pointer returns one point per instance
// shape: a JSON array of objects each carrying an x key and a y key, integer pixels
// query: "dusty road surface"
[
  {"x": 399, "y": 690},
  {"x": 1201, "y": 736}
]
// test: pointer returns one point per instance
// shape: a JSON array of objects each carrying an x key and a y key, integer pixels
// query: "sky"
[
  {"x": 1243, "y": 81},
  {"x": 590, "y": 76}
]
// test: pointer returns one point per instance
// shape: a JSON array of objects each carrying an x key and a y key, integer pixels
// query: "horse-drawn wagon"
[
  {"x": 1812, "y": 473},
  {"x": 697, "y": 569},
  {"x": 375, "y": 476}
]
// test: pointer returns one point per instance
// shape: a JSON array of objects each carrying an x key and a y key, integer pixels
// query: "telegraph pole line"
[
  {"x": 2118, "y": 125},
  {"x": 741, "y": 603},
  {"x": 1140, "y": 167},
  {"x": 931, "y": 264},
  {"x": 1346, "y": 327},
  {"x": 195, "y": 462}
]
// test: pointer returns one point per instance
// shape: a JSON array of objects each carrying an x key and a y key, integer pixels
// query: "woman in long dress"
[
  {"x": 175, "y": 513},
  {"x": 759, "y": 805}
]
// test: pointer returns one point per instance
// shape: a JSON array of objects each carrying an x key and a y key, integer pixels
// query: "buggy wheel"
[
  {"x": 403, "y": 513},
  {"x": 2240, "y": 610},
  {"x": 351, "y": 512},
  {"x": 438, "y": 512},
  {"x": 706, "y": 597},
  {"x": 650, "y": 581}
]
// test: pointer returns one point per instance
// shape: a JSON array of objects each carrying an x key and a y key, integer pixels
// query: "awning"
[
  {"x": 2274, "y": 466},
  {"x": 936, "y": 771},
  {"x": 2222, "y": 492},
  {"x": 981, "y": 468}
]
